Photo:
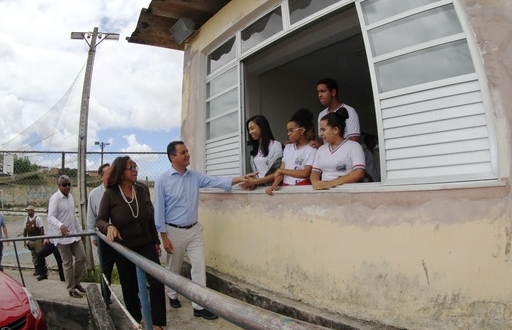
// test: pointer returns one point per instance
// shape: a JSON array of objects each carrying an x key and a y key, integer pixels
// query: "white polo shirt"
[
  {"x": 332, "y": 163},
  {"x": 352, "y": 123}
]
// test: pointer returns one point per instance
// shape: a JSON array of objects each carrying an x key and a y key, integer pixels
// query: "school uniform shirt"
[
  {"x": 297, "y": 159},
  {"x": 262, "y": 164},
  {"x": 333, "y": 163},
  {"x": 352, "y": 128}
]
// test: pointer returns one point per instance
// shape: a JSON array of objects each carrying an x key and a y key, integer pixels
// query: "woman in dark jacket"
[{"x": 127, "y": 205}]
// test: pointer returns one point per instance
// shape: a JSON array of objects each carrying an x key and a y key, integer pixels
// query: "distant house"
[{"x": 428, "y": 247}]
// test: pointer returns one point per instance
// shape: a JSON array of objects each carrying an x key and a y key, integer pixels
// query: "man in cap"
[{"x": 33, "y": 226}]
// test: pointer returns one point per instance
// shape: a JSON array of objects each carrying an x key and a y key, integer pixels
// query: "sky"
[{"x": 135, "y": 101}]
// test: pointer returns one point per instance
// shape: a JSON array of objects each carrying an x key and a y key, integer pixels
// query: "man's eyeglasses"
[
  {"x": 132, "y": 168},
  {"x": 66, "y": 184}
]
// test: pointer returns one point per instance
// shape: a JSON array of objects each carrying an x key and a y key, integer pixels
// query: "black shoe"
[
  {"x": 175, "y": 303},
  {"x": 80, "y": 288},
  {"x": 75, "y": 294},
  {"x": 205, "y": 314},
  {"x": 40, "y": 278}
]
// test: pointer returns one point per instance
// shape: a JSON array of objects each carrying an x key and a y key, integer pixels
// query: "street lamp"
[{"x": 102, "y": 146}]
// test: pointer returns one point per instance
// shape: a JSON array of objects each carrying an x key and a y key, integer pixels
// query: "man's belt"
[{"x": 182, "y": 227}]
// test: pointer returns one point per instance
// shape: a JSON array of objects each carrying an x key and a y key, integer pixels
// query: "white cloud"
[{"x": 133, "y": 86}]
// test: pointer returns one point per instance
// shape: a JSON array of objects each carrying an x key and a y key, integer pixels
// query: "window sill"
[{"x": 372, "y": 187}]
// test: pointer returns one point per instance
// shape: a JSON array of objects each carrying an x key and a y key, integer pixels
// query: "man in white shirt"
[
  {"x": 62, "y": 218},
  {"x": 327, "y": 90},
  {"x": 104, "y": 250}
]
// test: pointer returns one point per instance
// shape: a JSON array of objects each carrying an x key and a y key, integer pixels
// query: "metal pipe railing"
[
  {"x": 30, "y": 238},
  {"x": 235, "y": 311}
]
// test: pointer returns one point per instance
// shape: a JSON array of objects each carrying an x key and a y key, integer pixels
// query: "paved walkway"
[{"x": 53, "y": 289}]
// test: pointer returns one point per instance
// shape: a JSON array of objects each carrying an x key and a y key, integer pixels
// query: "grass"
[{"x": 93, "y": 276}]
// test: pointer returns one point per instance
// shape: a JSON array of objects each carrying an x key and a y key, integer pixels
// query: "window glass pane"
[
  {"x": 440, "y": 62},
  {"x": 376, "y": 10},
  {"x": 222, "y": 82},
  {"x": 263, "y": 29},
  {"x": 222, "y": 126},
  {"x": 300, "y": 9},
  {"x": 222, "y": 104},
  {"x": 221, "y": 56},
  {"x": 433, "y": 24}
]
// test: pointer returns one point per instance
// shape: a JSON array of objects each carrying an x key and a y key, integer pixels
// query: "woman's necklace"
[{"x": 130, "y": 202}]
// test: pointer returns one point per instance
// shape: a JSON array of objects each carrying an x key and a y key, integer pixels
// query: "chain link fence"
[{"x": 30, "y": 178}]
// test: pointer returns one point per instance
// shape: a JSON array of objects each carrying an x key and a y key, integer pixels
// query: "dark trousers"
[
  {"x": 128, "y": 277},
  {"x": 44, "y": 252},
  {"x": 106, "y": 255}
]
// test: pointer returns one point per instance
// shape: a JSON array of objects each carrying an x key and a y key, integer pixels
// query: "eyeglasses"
[
  {"x": 132, "y": 168},
  {"x": 66, "y": 184},
  {"x": 290, "y": 131}
]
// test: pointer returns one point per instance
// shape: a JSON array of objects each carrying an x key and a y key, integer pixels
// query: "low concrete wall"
[
  {"x": 65, "y": 315},
  {"x": 437, "y": 259}
]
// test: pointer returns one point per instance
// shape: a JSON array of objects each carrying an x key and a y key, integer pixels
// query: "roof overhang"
[{"x": 153, "y": 27}]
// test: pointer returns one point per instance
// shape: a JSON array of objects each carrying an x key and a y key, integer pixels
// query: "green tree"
[
  {"x": 23, "y": 165},
  {"x": 25, "y": 172}
]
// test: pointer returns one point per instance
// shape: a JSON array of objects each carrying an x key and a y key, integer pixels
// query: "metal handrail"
[
  {"x": 31, "y": 238},
  {"x": 235, "y": 311}
]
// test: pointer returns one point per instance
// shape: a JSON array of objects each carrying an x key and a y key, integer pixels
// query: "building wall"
[{"x": 418, "y": 257}]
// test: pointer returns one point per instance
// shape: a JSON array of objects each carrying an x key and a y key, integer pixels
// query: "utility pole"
[
  {"x": 102, "y": 146},
  {"x": 95, "y": 38}
]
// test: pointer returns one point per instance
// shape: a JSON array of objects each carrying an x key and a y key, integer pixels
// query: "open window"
[
  {"x": 282, "y": 78},
  {"x": 408, "y": 68}
]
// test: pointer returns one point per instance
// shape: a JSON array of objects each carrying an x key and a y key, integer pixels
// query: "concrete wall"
[{"x": 418, "y": 259}]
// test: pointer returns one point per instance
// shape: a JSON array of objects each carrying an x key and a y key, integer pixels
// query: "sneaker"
[
  {"x": 75, "y": 294},
  {"x": 175, "y": 303},
  {"x": 80, "y": 288},
  {"x": 205, "y": 314},
  {"x": 40, "y": 278}
]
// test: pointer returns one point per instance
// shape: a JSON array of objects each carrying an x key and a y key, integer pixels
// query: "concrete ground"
[{"x": 53, "y": 291}]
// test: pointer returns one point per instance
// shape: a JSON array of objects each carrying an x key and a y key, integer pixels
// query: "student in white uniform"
[
  {"x": 298, "y": 155},
  {"x": 339, "y": 160},
  {"x": 328, "y": 95},
  {"x": 266, "y": 153}
]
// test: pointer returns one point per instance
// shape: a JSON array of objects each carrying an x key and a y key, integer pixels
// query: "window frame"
[{"x": 378, "y": 96}]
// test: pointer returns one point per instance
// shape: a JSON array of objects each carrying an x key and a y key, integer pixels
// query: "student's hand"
[
  {"x": 250, "y": 176},
  {"x": 270, "y": 190},
  {"x": 249, "y": 184},
  {"x": 314, "y": 143},
  {"x": 321, "y": 185},
  {"x": 113, "y": 233}
]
